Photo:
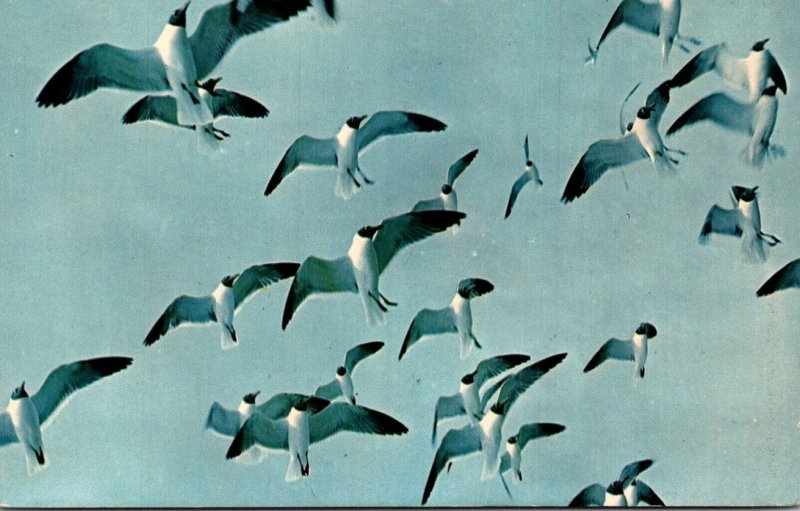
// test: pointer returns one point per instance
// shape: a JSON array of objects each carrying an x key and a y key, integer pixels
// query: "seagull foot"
[
  {"x": 387, "y": 301},
  {"x": 592, "y": 58}
]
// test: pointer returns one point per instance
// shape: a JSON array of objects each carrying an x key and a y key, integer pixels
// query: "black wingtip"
[
  {"x": 134, "y": 112},
  {"x": 330, "y": 8},
  {"x": 107, "y": 366},
  {"x": 426, "y": 123},
  {"x": 235, "y": 448},
  {"x": 57, "y": 91}
]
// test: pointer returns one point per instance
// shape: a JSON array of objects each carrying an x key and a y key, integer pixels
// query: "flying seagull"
[
  {"x": 310, "y": 420},
  {"x": 227, "y": 299},
  {"x": 642, "y": 141},
  {"x": 531, "y": 173},
  {"x": 625, "y": 491},
  {"x": 455, "y": 318},
  {"x": 226, "y": 423},
  {"x": 658, "y": 99},
  {"x": 512, "y": 458},
  {"x": 26, "y": 416},
  {"x": 785, "y": 278},
  {"x": 343, "y": 149},
  {"x": 634, "y": 350},
  {"x": 448, "y": 199},
  {"x": 221, "y": 102},
  {"x": 371, "y": 250},
  {"x": 660, "y": 19},
  {"x": 175, "y": 62},
  {"x": 342, "y": 384},
  {"x": 757, "y": 120},
  {"x": 749, "y": 74},
  {"x": 468, "y": 401},
  {"x": 743, "y": 221},
  {"x": 484, "y": 437}
]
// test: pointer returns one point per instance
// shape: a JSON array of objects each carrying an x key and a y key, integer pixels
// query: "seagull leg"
[
  {"x": 384, "y": 309},
  {"x": 221, "y": 132},
  {"x": 678, "y": 151},
  {"x": 191, "y": 96},
  {"x": 505, "y": 486},
  {"x": 477, "y": 344},
  {"x": 684, "y": 48},
  {"x": 690, "y": 40},
  {"x": 387, "y": 301},
  {"x": 772, "y": 241},
  {"x": 350, "y": 173},
  {"x": 366, "y": 179}
]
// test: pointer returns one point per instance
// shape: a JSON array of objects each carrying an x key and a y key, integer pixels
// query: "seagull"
[
  {"x": 635, "y": 349},
  {"x": 660, "y": 19},
  {"x": 308, "y": 424},
  {"x": 512, "y": 458},
  {"x": 455, "y": 318},
  {"x": 175, "y": 61},
  {"x": 754, "y": 119},
  {"x": 448, "y": 199},
  {"x": 642, "y": 141},
  {"x": 531, "y": 173},
  {"x": 226, "y": 423},
  {"x": 342, "y": 150},
  {"x": 658, "y": 98},
  {"x": 221, "y": 102},
  {"x": 467, "y": 401},
  {"x": 786, "y": 277},
  {"x": 749, "y": 73},
  {"x": 484, "y": 437},
  {"x": 342, "y": 384},
  {"x": 230, "y": 295},
  {"x": 26, "y": 416},
  {"x": 371, "y": 250},
  {"x": 744, "y": 220},
  {"x": 625, "y": 491}
]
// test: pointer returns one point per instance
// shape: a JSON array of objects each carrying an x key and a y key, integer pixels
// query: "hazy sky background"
[{"x": 103, "y": 225}]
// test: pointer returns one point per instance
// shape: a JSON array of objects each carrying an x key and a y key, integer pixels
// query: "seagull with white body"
[
  {"x": 342, "y": 150},
  {"x": 743, "y": 221},
  {"x": 531, "y": 173},
  {"x": 221, "y": 102},
  {"x": 27, "y": 416},
  {"x": 342, "y": 384},
  {"x": 757, "y": 120},
  {"x": 625, "y": 491},
  {"x": 370, "y": 252},
  {"x": 448, "y": 199},
  {"x": 660, "y": 18},
  {"x": 749, "y": 74},
  {"x": 455, "y": 318},
  {"x": 642, "y": 141},
  {"x": 310, "y": 420},
  {"x": 226, "y": 423},
  {"x": 485, "y": 436},
  {"x": 658, "y": 99},
  {"x": 221, "y": 305},
  {"x": 634, "y": 350},
  {"x": 175, "y": 61},
  {"x": 468, "y": 401},
  {"x": 785, "y": 278},
  {"x": 512, "y": 458}
]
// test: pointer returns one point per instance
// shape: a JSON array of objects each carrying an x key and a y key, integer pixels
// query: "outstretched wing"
[
  {"x": 634, "y": 13},
  {"x": 261, "y": 430},
  {"x": 494, "y": 366},
  {"x": 623, "y": 128},
  {"x": 338, "y": 417},
  {"x": 318, "y": 276},
  {"x": 428, "y": 322},
  {"x": 446, "y": 406},
  {"x": 593, "y": 495},
  {"x": 359, "y": 353},
  {"x": 786, "y": 277},
  {"x": 720, "y": 109},
  {"x": 223, "y": 421},
  {"x": 385, "y": 123},
  {"x": 329, "y": 391},
  {"x": 456, "y": 443},
  {"x": 260, "y": 277},
  {"x": 279, "y": 405},
  {"x": 153, "y": 108},
  {"x": 183, "y": 310},
  {"x": 474, "y": 287},
  {"x": 647, "y": 495},
  {"x": 524, "y": 378},
  {"x": 457, "y": 168},
  {"x": 536, "y": 430},
  {"x": 232, "y": 104},
  {"x": 304, "y": 151},
  {"x": 68, "y": 378},
  {"x": 721, "y": 221},
  {"x": 613, "y": 348},
  {"x": 632, "y": 470}
]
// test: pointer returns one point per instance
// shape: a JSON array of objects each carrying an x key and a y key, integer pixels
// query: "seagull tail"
[
  {"x": 373, "y": 311},
  {"x": 227, "y": 338},
  {"x": 346, "y": 186},
  {"x": 35, "y": 460},
  {"x": 295, "y": 469},
  {"x": 753, "y": 249},
  {"x": 207, "y": 140}
]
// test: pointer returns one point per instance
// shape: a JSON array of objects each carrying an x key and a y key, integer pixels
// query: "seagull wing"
[
  {"x": 601, "y": 156},
  {"x": 659, "y": 100},
  {"x": 519, "y": 184},
  {"x": 536, "y": 430},
  {"x": 223, "y": 421},
  {"x": 623, "y": 127},
  {"x": 7, "y": 433},
  {"x": 279, "y": 405},
  {"x": 400, "y": 231},
  {"x": 613, "y": 348},
  {"x": 524, "y": 378},
  {"x": 338, "y": 417},
  {"x": 456, "y": 443},
  {"x": 64, "y": 380},
  {"x": 259, "y": 277},
  {"x": 634, "y": 13},
  {"x": 495, "y": 366},
  {"x": 232, "y": 104},
  {"x": 457, "y": 168},
  {"x": 632, "y": 470},
  {"x": 429, "y": 205},
  {"x": 492, "y": 390},
  {"x": 475, "y": 287},
  {"x": 721, "y": 221},
  {"x": 647, "y": 495},
  {"x": 716, "y": 58},
  {"x": 183, "y": 310},
  {"x": 775, "y": 72},
  {"x": 720, "y": 109},
  {"x": 428, "y": 322},
  {"x": 527, "y": 150},
  {"x": 318, "y": 276},
  {"x": 381, "y": 124},
  {"x": 359, "y": 353},
  {"x": 786, "y": 277},
  {"x": 329, "y": 391},
  {"x": 304, "y": 151},
  {"x": 266, "y": 432},
  {"x": 104, "y": 65},
  {"x": 446, "y": 406},
  {"x": 153, "y": 108},
  {"x": 593, "y": 495},
  {"x": 224, "y": 24}
]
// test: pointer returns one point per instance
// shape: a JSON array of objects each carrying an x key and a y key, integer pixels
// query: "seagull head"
[
  {"x": 499, "y": 408},
  {"x": 512, "y": 440},
  {"x": 341, "y": 371},
  {"x": 355, "y": 121},
  {"x": 210, "y": 84},
  {"x": 19, "y": 392},
  {"x": 749, "y": 194},
  {"x": 645, "y": 111},
  {"x": 647, "y": 329},
  {"x": 615, "y": 488},
  {"x": 227, "y": 281},
  {"x": 368, "y": 231},
  {"x": 250, "y": 398},
  {"x": 468, "y": 379},
  {"x": 447, "y": 189},
  {"x": 770, "y": 91},
  {"x": 759, "y": 46},
  {"x": 178, "y": 17}
]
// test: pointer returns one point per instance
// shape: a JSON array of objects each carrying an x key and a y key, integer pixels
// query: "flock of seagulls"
[{"x": 293, "y": 422}]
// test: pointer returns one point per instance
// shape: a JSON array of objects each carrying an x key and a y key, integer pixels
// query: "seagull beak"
[{"x": 763, "y": 42}]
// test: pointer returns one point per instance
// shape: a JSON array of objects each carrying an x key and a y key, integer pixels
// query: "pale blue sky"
[{"x": 104, "y": 224}]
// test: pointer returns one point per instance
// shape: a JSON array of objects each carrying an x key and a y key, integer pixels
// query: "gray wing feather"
[
  {"x": 517, "y": 187},
  {"x": 494, "y": 366},
  {"x": 613, "y": 348},
  {"x": 338, "y": 417},
  {"x": 318, "y": 276},
  {"x": 720, "y": 109},
  {"x": 184, "y": 309},
  {"x": 7, "y": 433},
  {"x": 304, "y": 151},
  {"x": 279, "y": 405},
  {"x": 601, "y": 156},
  {"x": 524, "y": 378},
  {"x": 786, "y": 277},
  {"x": 636, "y": 14},
  {"x": 359, "y": 353},
  {"x": 154, "y": 108},
  {"x": 593, "y": 495},
  {"x": 492, "y": 390},
  {"x": 429, "y": 205},
  {"x": 385, "y": 123},
  {"x": 258, "y": 277},
  {"x": 232, "y": 104},
  {"x": 428, "y": 322},
  {"x": 632, "y": 470},
  {"x": 329, "y": 391},
  {"x": 720, "y": 221},
  {"x": 223, "y": 421},
  {"x": 400, "y": 231},
  {"x": 457, "y": 168},
  {"x": 700, "y": 64},
  {"x": 446, "y": 406},
  {"x": 266, "y": 432},
  {"x": 536, "y": 430},
  {"x": 456, "y": 443},
  {"x": 623, "y": 128}
]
